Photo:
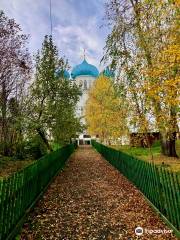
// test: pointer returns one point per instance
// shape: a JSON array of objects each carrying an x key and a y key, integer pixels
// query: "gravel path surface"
[{"x": 91, "y": 200}]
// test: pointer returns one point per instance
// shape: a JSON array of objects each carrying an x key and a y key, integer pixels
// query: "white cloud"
[
  {"x": 75, "y": 38},
  {"x": 73, "y": 27}
]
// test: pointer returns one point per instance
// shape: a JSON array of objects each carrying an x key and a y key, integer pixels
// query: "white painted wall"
[{"x": 85, "y": 82}]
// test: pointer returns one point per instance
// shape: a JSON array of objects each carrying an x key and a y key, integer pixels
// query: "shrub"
[{"x": 35, "y": 148}]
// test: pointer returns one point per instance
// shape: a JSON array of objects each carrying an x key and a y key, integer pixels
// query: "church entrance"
[
  {"x": 81, "y": 142},
  {"x": 87, "y": 142}
]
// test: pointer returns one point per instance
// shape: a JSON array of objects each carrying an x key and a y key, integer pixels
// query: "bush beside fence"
[
  {"x": 160, "y": 186},
  {"x": 19, "y": 191}
]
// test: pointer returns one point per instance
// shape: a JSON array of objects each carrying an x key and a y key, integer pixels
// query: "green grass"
[
  {"x": 159, "y": 159},
  {"x": 138, "y": 151},
  {"x": 9, "y": 165}
]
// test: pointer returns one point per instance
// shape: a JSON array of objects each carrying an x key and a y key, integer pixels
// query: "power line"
[{"x": 50, "y": 11}]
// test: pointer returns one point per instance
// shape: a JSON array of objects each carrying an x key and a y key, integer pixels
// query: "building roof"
[
  {"x": 108, "y": 72},
  {"x": 84, "y": 69}
]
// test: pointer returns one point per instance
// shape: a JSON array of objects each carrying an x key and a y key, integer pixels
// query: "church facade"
[{"x": 84, "y": 75}]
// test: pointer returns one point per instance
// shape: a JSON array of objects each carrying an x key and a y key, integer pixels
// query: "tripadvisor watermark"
[{"x": 140, "y": 231}]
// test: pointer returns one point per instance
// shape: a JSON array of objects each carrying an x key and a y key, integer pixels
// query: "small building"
[
  {"x": 143, "y": 139},
  {"x": 83, "y": 139}
]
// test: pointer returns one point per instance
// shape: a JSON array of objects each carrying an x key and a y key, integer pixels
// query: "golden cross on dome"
[{"x": 84, "y": 54}]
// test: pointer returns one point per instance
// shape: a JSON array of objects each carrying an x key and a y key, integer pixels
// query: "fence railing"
[
  {"x": 20, "y": 190},
  {"x": 160, "y": 186}
]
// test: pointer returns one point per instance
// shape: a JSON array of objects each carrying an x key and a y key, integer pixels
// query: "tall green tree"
[{"x": 52, "y": 97}]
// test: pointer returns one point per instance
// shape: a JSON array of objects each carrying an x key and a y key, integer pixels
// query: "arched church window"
[
  {"x": 80, "y": 83},
  {"x": 85, "y": 85}
]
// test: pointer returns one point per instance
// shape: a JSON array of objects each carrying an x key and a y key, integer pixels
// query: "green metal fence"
[
  {"x": 20, "y": 190},
  {"x": 160, "y": 186}
]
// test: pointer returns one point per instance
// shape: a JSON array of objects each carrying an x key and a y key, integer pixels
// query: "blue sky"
[{"x": 76, "y": 25}]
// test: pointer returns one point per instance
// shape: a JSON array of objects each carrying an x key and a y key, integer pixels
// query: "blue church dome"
[
  {"x": 108, "y": 72},
  {"x": 62, "y": 73},
  {"x": 84, "y": 69},
  {"x": 66, "y": 74}
]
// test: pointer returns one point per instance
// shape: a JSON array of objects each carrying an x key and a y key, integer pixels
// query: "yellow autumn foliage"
[
  {"x": 105, "y": 112},
  {"x": 163, "y": 73}
]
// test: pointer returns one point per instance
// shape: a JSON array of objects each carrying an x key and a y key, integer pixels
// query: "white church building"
[{"x": 84, "y": 75}]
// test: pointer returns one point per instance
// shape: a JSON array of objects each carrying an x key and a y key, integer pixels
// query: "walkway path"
[{"x": 91, "y": 200}]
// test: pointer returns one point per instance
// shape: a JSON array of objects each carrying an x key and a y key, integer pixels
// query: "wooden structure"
[{"x": 143, "y": 139}]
